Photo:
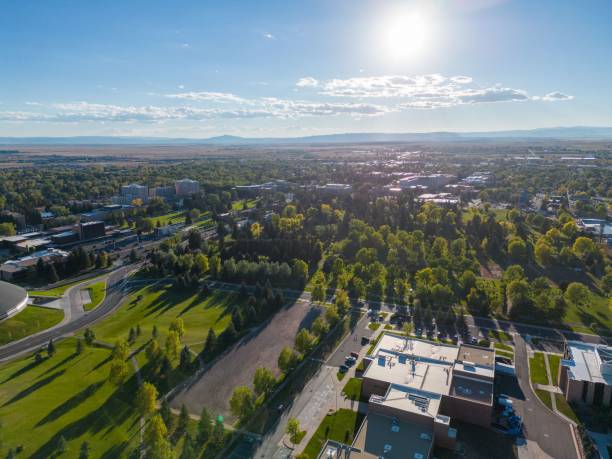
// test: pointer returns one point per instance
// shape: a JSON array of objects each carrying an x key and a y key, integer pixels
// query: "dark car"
[
  {"x": 343, "y": 368},
  {"x": 365, "y": 340}
]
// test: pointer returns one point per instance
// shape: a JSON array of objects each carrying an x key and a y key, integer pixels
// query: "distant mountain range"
[{"x": 557, "y": 133}]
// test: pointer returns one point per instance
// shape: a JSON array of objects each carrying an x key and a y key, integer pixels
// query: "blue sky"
[{"x": 284, "y": 68}]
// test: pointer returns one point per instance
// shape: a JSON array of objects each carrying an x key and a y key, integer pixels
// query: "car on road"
[
  {"x": 350, "y": 361},
  {"x": 343, "y": 368},
  {"x": 365, "y": 340},
  {"x": 355, "y": 355}
]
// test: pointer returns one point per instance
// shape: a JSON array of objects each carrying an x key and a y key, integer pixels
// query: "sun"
[{"x": 406, "y": 34}]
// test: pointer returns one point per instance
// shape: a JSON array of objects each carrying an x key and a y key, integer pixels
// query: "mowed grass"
[
  {"x": 58, "y": 291},
  {"x": 352, "y": 388},
  {"x": 67, "y": 396},
  {"x": 160, "y": 304},
  {"x": 537, "y": 369},
  {"x": 545, "y": 397},
  {"x": 340, "y": 426},
  {"x": 553, "y": 363},
  {"x": 565, "y": 408},
  {"x": 97, "y": 293},
  {"x": 169, "y": 219},
  {"x": 596, "y": 316},
  {"x": 239, "y": 204},
  {"x": 31, "y": 320}
]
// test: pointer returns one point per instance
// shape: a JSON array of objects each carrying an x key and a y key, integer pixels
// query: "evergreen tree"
[
  {"x": 84, "y": 451},
  {"x": 79, "y": 346},
  {"x": 205, "y": 427},
  {"x": 51, "y": 348}
]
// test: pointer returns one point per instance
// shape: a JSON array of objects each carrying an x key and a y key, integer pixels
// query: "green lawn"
[
  {"x": 374, "y": 325},
  {"x": 352, "y": 388},
  {"x": 537, "y": 369},
  {"x": 565, "y": 408},
  {"x": 340, "y": 375},
  {"x": 239, "y": 204},
  {"x": 31, "y": 320},
  {"x": 97, "y": 293},
  {"x": 545, "y": 397},
  {"x": 553, "y": 362},
  {"x": 169, "y": 219},
  {"x": 499, "y": 335},
  {"x": 594, "y": 317},
  {"x": 160, "y": 305},
  {"x": 58, "y": 291},
  {"x": 509, "y": 355},
  {"x": 504, "y": 347},
  {"x": 66, "y": 395},
  {"x": 340, "y": 426}
]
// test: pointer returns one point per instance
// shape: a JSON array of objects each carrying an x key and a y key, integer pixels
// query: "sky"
[{"x": 202, "y": 68}]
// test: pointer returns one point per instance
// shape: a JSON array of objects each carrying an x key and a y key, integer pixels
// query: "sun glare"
[{"x": 406, "y": 35}]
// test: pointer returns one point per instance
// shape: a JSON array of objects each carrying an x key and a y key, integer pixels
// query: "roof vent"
[
  {"x": 395, "y": 428},
  {"x": 425, "y": 436},
  {"x": 418, "y": 456},
  {"x": 387, "y": 448}
]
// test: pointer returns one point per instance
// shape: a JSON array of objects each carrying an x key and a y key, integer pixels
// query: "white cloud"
[
  {"x": 307, "y": 82},
  {"x": 268, "y": 35},
  {"x": 426, "y": 91},
  {"x": 553, "y": 96},
  {"x": 206, "y": 96},
  {"x": 185, "y": 45}
]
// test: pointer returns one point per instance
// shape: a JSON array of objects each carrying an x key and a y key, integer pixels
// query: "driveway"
[{"x": 540, "y": 425}]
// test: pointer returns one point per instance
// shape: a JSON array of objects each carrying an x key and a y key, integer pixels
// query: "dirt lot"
[{"x": 215, "y": 387}]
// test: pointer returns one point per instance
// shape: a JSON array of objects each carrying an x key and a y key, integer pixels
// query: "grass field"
[
  {"x": 68, "y": 396},
  {"x": 58, "y": 291},
  {"x": 565, "y": 408},
  {"x": 169, "y": 219},
  {"x": 374, "y": 325},
  {"x": 159, "y": 305},
  {"x": 97, "y": 292},
  {"x": 594, "y": 317},
  {"x": 504, "y": 347},
  {"x": 537, "y": 369},
  {"x": 553, "y": 362},
  {"x": 352, "y": 388},
  {"x": 31, "y": 320},
  {"x": 340, "y": 426},
  {"x": 545, "y": 397},
  {"x": 239, "y": 204}
]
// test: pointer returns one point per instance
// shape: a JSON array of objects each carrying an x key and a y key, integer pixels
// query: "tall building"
[
  {"x": 134, "y": 191},
  {"x": 186, "y": 187}
]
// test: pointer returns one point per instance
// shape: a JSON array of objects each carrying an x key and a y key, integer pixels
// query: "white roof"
[{"x": 589, "y": 362}]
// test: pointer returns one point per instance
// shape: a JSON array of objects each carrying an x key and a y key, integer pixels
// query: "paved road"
[
  {"x": 541, "y": 425},
  {"x": 114, "y": 295}
]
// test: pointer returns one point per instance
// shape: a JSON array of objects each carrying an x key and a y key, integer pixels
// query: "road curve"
[{"x": 114, "y": 295}]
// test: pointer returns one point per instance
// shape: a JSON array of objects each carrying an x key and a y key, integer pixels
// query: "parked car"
[
  {"x": 343, "y": 368},
  {"x": 355, "y": 354},
  {"x": 365, "y": 340},
  {"x": 350, "y": 361}
]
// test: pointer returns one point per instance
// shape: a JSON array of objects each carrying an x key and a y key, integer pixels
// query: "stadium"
[{"x": 13, "y": 299}]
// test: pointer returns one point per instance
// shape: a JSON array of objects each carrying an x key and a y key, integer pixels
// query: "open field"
[
  {"x": 545, "y": 396},
  {"x": 594, "y": 317},
  {"x": 334, "y": 427},
  {"x": 68, "y": 396},
  {"x": 29, "y": 321},
  {"x": 537, "y": 369},
  {"x": 159, "y": 305},
  {"x": 236, "y": 368},
  {"x": 97, "y": 292},
  {"x": 169, "y": 219},
  {"x": 58, "y": 291}
]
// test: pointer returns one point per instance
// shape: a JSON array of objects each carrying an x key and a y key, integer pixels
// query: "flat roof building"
[
  {"x": 416, "y": 387},
  {"x": 186, "y": 187},
  {"x": 585, "y": 373}
]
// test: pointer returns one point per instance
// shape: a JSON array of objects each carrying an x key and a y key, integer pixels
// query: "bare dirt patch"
[{"x": 214, "y": 388}]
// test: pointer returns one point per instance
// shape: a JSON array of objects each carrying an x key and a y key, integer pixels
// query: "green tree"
[
  {"x": 178, "y": 326},
  {"x": 183, "y": 423},
  {"x": 342, "y": 302},
  {"x": 89, "y": 336},
  {"x": 146, "y": 399},
  {"x": 331, "y": 315},
  {"x": 242, "y": 403},
  {"x": 51, "y": 348},
  {"x": 304, "y": 341},
  {"x": 205, "y": 427},
  {"x": 320, "y": 327},
  {"x": 121, "y": 350},
  {"x": 299, "y": 272},
  {"x": 173, "y": 345},
  {"x": 517, "y": 249},
  {"x": 576, "y": 293},
  {"x": 153, "y": 350},
  {"x": 287, "y": 359},
  {"x": 156, "y": 439},
  {"x": 84, "y": 451},
  {"x": 118, "y": 371},
  {"x": 293, "y": 430},
  {"x": 263, "y": 381}
]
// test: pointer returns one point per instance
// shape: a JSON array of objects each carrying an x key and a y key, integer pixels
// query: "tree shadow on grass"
[
  {"x": 62, "y": 362},
  {"x": 167, "y": 300},
  {"x": 115, "y": 411},
  {"x": 34, "y": 387},
  {"x": 71, "y": 403},
  {"x": 198, "y": 299},
  {"x": 101, "y": 363},
  {"x": 22, "y": 370}
]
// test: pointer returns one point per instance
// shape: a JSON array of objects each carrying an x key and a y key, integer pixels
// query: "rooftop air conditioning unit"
[
  {"x": 418, "y": 456},
  {"x": 395, "y": 428},
  {"x": 425, "y": 436}
]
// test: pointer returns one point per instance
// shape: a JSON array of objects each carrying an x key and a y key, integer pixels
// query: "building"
[
  {"x": 186, "y": 187},
  {"x": 431, "y": 181},
  {"x": 18, "y": 268},
  {"x": 32, "y": 245},
  {"x": 336, "y": 188},
  {"x": 131, "y": 192},
  {"x": 65, "y": 237},
  {"x": 165, "y": 192},
  {"x": 91, "y": 230},
  {"x": 414, "y": 388},
  {"x": 585, "y": 373},
  {"x": 13, "y": 299},
  {"x": 103, "y": 213}
]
